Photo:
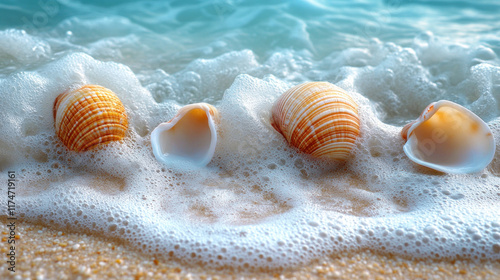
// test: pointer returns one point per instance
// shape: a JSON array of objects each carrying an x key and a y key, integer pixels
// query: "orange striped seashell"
[
  {"x": 319, "y": 119},
  {"x": 89, "y": 117}
]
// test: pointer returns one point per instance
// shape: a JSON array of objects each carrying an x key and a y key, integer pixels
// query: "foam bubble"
[
  {"x": 18, "y": 45},
  {"x": 259, "y": 203}
]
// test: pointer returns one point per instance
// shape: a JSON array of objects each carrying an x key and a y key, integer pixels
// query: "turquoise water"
[
  {"x": 187, "y": 29},
  {"x": 259, "y": 203},
  {"x": 167, "y": 36}
]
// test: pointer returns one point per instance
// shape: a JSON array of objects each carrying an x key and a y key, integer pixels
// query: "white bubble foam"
[
  {"x": 21, "y": 47},
  {"x": 259, "y": 203}
]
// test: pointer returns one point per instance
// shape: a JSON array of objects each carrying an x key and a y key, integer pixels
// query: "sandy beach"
[{"x": 45, "y": 253}]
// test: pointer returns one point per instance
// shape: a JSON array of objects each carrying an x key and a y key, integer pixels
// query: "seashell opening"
[
  {"x": 319, "y": 119},
  {"x": 449, "y": 138},
  {"x": 89, "y": 117},
  {"x": 190, "y": 135}
]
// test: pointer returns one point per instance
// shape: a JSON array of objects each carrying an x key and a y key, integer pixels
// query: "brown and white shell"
[
  {"x": 89, "y": 117},
  {"x": 319, "y": 119}
]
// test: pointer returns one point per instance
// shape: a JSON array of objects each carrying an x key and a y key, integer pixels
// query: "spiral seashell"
[
  {"x": 318, "y": 118},
  {"x": 191, "y": 135},
  {"x": 89, "y": 117},
  {"x": 449, "y": 138}
]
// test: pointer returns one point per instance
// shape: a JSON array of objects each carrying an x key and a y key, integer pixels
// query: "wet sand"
[{"x": 44, "y": 253}]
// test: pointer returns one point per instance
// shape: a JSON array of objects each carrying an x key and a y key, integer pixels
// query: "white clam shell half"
[
  {"x": 191, "y": 135},
  {"x": 449, "y": 138}
]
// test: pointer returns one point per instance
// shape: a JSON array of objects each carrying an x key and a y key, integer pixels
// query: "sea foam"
[{"x": 260, "y": 203}]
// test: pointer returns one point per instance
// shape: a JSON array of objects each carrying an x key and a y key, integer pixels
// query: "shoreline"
[{"x": 45, "y": 253}]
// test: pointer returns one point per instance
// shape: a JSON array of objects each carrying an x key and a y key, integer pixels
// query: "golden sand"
[{"x": 44, "y": 253}]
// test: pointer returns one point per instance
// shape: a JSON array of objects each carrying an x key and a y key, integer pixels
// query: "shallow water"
[{"x": 259, "y": 202}]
